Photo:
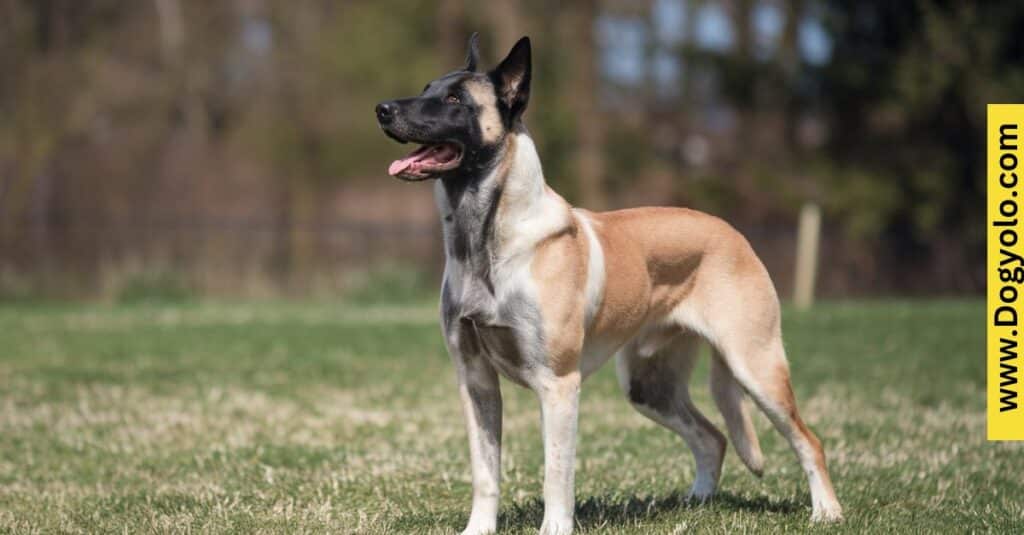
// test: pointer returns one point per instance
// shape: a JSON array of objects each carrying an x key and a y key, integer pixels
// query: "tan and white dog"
[{"x": 543, "y": 294}]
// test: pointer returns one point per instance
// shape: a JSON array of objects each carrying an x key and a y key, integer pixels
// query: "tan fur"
[
  {"x": 559, "y": 274},
  {"x": 502, "y": 171},
  {"x": 661, "y": 262},
  {"x": 490, "y": 122},
  {"x": 653, "y": 260},
  {"x": 729, "y": 399},
  {"x": 505, "y": 164}
]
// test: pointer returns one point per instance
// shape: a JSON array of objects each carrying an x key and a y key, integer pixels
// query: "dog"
[{"x": 543, "y": 294}]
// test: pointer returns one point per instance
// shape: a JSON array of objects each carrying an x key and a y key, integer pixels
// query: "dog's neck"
[{"x": 502, "y": 211}]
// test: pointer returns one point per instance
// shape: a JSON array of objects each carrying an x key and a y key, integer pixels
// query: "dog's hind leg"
[{"x": 657, "y": 386}]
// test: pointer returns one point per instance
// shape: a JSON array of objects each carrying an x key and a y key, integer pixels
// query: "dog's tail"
[{"x": 729, "y": 397}]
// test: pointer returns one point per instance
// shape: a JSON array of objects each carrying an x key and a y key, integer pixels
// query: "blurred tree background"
[{"x": 230, "y": 148}]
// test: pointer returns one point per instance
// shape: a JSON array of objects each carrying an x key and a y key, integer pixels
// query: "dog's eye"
[{"x": 452, "y": 99}]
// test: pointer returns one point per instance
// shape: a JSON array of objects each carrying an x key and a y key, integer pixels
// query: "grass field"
[{"x": 318, "y": 417}]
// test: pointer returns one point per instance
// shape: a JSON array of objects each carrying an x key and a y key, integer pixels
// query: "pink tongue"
[
  {"x": 422, "y": 154},
  {"x": 417, "y": 155},
  {"x": 398, "y": 166}
]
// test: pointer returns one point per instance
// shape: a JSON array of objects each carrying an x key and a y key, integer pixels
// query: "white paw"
[
  {"x": 556, "y": 527},
  {"x": 827, "y": 514}
]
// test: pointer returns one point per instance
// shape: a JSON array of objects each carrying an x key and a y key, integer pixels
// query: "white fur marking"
[
  {"x": 595, "y": 270},
  {"x": 528, "y": 214}
]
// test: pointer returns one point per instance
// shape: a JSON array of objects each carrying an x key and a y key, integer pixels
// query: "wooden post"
[{"x": 808, "y": 236}]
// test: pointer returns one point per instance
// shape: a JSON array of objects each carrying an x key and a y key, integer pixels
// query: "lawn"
[{"x": 325, "y": 417}]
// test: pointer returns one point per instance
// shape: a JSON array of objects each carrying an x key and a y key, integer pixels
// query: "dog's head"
[{"x": 460, "y": 119}]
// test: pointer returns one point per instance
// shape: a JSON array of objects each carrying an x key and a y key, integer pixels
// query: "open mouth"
[{"x": 426, "y": 162}]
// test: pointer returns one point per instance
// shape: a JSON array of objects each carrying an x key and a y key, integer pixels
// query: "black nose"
[{"x": 386, "y": 112}]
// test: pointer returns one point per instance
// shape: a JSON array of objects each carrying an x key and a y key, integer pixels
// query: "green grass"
[{"x": 315, "y": 417}]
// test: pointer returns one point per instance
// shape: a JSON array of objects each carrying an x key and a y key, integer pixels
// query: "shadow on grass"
[
  {"x": 612, "y": 510},
  {"x": 605, "y": 511}
]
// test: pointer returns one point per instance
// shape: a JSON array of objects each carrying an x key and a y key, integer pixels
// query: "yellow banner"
[{"x": 1005, "y": 272}]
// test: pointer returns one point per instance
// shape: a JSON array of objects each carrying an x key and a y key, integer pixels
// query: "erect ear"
[
  {"x": 512, "y": 78},
  {"x": 472, "y": 53}
]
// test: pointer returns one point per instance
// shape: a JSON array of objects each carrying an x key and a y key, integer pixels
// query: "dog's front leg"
[
  {"x": 559, "y": 399},
  {"x": 481, "y": 403}
]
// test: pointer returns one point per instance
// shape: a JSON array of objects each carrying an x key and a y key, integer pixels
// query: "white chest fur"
[{"x": 490, "y": 297}]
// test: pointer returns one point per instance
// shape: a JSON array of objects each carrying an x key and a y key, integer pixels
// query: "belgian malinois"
[{"x": 544, "y": 293}]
